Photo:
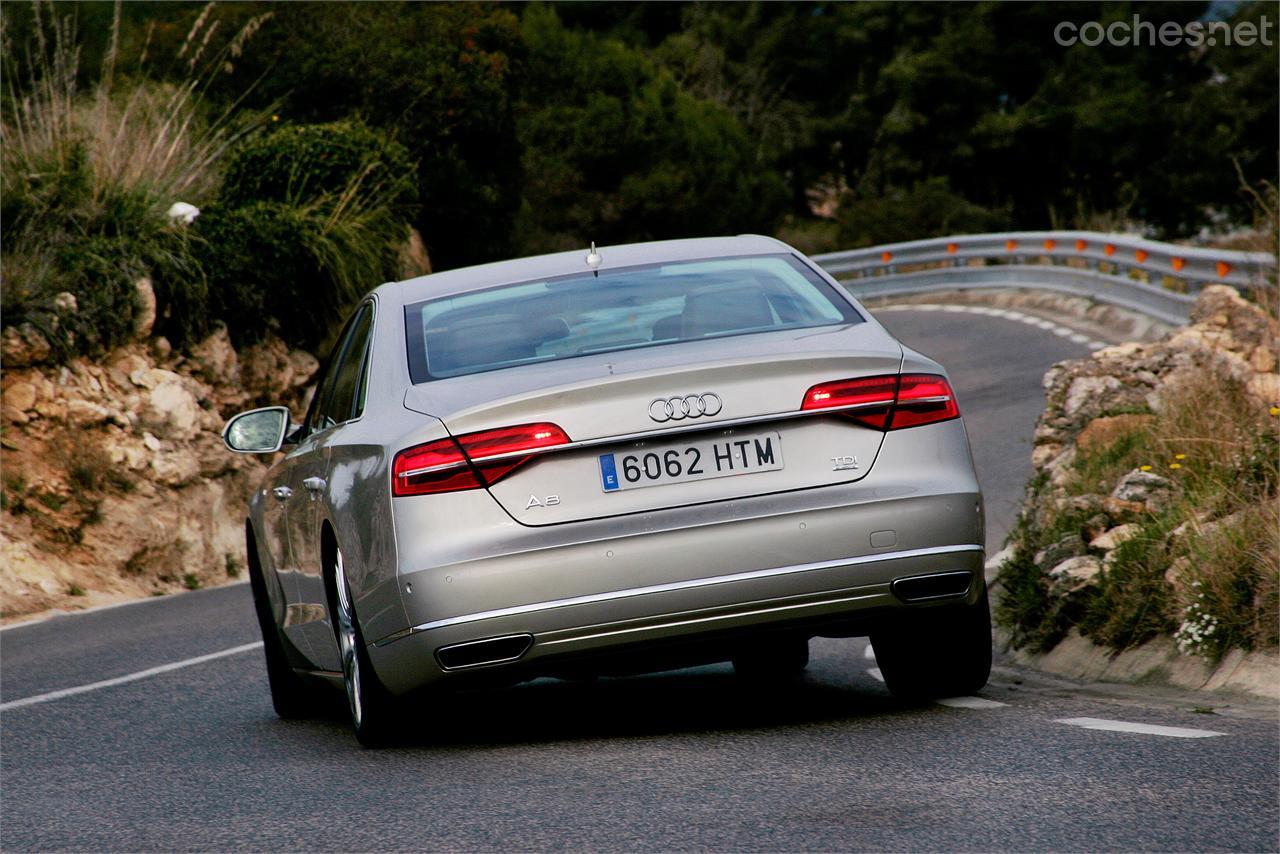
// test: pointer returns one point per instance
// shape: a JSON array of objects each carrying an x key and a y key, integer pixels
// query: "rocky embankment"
[
  {"x": 115, "y": 481},
  {"x": 1152, "y": 515}
]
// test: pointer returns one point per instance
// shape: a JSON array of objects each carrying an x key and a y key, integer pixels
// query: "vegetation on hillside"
[{"x": 499, "y": 130}]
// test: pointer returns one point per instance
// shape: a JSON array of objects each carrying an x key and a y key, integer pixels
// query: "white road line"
[
  {"x": 869, "y": 652},
  {"x": 60, "y": 612},
  {"x": 1010, "y": 314},
  {"x": 131, "y": 677},
  {"x": 1145, "y": 729},
  {"x": 876, "y": 674},
  {"x": 970, "y": 703}
]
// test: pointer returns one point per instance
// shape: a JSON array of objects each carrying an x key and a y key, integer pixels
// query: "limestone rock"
[
  {"x": 21, "y": 396},
  {"x": 1076, "y": 573},
  {"x": 1042, "y": 455},
  {"x": 144, "y": 308},
  {"x": 22, "y": 346},
  {"x": 1114, "y": 537},
  {"x": 215, "y": 359},
  {"x": 1055, "y": 553},
  {"x": 1265, "y": 388},
  {"x": 1119, "y": 510},
  {"x": 171, "y": 410},
  {"x": 1144, "y": 487},
  {"x": 1101, "y": 433},
  {"x": 1247, "y": 323},
  {"x": 414, "y": 260},
  {"x": 1088, "y": 390}
]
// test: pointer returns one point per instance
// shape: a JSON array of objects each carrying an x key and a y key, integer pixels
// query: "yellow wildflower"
[
  {"x": 1179, "y": 456},
  {"x": 1144, "y": 468},
  {"x": 1175, "y": 465}
]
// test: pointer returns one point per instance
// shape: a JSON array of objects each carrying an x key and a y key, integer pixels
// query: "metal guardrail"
[{"x": 1156, "y": 279}]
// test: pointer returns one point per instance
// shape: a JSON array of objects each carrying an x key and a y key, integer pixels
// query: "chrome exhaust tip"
[
  {"x": 937, "y": 585},
  {"x": 482, "y": 653}
]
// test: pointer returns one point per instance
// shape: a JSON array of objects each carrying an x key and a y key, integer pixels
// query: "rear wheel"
[
  {"x": 938, "y": 653},
  {"x": 292, "y": 696},
  {"x": 772, "y": 659},
  {"x": 372, "y": 706}
]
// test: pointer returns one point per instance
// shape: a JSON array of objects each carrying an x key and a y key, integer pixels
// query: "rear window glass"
[{"x": 622, "y": 309}]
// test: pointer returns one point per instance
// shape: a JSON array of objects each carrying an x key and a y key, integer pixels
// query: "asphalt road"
[{"x": 194, "y": 759}]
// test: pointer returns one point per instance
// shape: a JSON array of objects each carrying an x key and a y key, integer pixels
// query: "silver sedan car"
[{"x": 638, "y": 458}]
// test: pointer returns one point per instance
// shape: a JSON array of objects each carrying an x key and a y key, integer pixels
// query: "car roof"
[{"x": 464, "y": 279}]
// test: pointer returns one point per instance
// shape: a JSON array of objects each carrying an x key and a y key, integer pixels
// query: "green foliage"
[
  {"x": 1134, "y": 603},
  {"x": 301, "y": 164},
  {"x": 616, "y": 150},
  {"x": 442, "y": 77},
  {"x": 926, "y": 208},
  {"x": 293, "y": 270}
]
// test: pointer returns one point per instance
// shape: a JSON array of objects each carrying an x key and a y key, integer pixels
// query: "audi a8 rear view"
[{"x": 643, "y": 457}]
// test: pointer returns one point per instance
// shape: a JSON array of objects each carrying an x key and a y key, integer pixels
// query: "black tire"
[
  {"x": 292, "y": 696},
  {"x": 374, "y": 711},
  {"x": 938, "y": 652},
  {"x": 772, "y": 659}
]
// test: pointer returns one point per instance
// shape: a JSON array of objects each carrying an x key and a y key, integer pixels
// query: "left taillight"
[
  {"x": 471, "y": 460},
  {"x": 889, "y": 402}
]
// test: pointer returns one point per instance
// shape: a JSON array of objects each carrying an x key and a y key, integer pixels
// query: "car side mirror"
[{"x": 258, "y": 431}]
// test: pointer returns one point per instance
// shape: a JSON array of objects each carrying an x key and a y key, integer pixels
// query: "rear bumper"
[
  {"x": 819, "y": 561},
  {"x": 842, "y": 596}
]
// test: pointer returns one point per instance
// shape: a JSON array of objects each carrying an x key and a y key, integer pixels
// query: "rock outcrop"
[
  {"x": 115, "y": 480},
  {"x": 1093, "y": 493}
]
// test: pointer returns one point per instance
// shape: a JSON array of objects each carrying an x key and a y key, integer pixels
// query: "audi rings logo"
[{"x": 689, "y": 406}]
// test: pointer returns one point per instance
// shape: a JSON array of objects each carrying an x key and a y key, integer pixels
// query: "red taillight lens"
[
  {"x": 471, "y": 460},
  {"x": 924, "y": 399},
  {"x": 887, "y": 402},
  {"x": 869, "y": 399}
]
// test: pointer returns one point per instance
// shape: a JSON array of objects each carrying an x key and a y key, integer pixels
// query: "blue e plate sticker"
[{"x": 608, "y": 473}]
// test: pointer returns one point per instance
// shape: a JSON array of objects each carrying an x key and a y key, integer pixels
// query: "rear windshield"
[{"x": 622, "y": 309}]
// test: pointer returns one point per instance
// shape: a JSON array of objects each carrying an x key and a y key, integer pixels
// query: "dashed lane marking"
[
  {"x": 130, "y": 677},
  {"x": 869, "y": 652},
  {"x": 1009, "y": 314},
  {"x": 1145, "y": 729},
  {"x": 876, "y": 674},
  {"x": 970, "y": 703}
]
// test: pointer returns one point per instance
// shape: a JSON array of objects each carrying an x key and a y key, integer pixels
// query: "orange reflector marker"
[
  {"x": 885, "y": 257},
  {"x": 1178, "y": 263},
  {"x": 1223, "y": 269},
  {"x": 1109, "y": 248},
  {"x": 1050, "y": 245},
  {"x": 1081, "y": 245},
  {"x": 1141, "y": 255},
  {"x": 1010, "y": 245},
  {"x": 951, "y": 248}
]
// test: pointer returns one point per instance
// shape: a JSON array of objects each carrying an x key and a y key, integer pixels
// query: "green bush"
[
  {"x": 301, "y": 164},
  {"x": 293, "y": 270},
  {"x": 309, "y": 218}
]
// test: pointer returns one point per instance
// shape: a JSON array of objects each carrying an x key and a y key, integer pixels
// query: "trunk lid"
[{"x": 616, "y": 404}]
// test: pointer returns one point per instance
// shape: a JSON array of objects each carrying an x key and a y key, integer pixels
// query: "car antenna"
[{"x": 594, "y": 260}]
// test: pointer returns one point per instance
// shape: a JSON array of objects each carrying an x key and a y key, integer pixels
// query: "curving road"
[{"x": 192, "y": 758}]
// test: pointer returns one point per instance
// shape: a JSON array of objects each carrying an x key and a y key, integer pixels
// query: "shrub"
[
  {"x": 300, "y": 164},
  {"x": 85, "y": 180},
  {"x": 293, "y": 270}
]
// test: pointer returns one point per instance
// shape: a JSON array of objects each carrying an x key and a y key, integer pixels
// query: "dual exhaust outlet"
[{"x": 510, "y": 648}]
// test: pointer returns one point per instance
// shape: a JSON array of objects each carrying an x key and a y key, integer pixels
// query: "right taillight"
[
  {"x": 888, "y": 402},
  {"x": 470, "y": 461}
]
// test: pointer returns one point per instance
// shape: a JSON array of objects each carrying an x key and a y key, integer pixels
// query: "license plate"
[{"x": 693, "y": 460}]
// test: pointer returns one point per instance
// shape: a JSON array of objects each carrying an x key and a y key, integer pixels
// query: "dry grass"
[{"x": 151, "y": 138}]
